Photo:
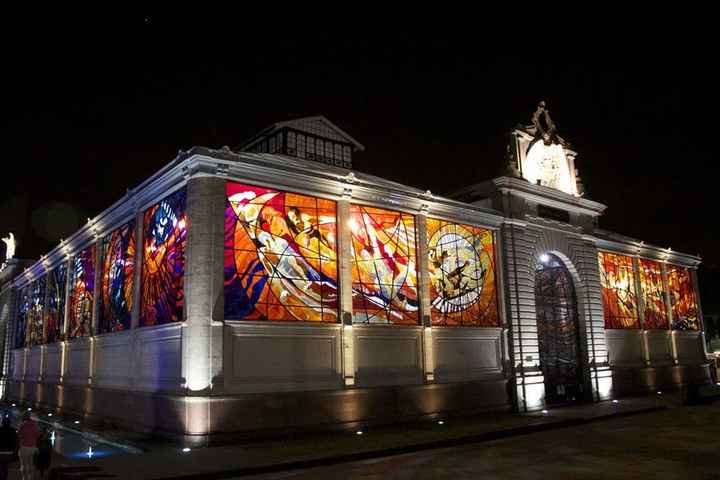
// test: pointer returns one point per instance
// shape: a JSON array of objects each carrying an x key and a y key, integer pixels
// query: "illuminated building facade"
[{"x": 250, "y": 290}]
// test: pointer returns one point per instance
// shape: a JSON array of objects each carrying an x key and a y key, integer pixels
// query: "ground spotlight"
[
  {"x": 77, "y": 422},
  {"x": 359, "y": 432},
  {"x": 186, "y": 450},
  {"x": 545, "y": 412},
  {"x": 615, "y": 401},
  {"x": 440, "y": 422}
]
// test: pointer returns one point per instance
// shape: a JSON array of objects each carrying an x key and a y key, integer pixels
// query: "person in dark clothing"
[
  {"x": 43, "y": 458},
  {"x": 8, "y": 446}
]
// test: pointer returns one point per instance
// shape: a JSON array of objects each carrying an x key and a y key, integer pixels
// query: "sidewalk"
[{"x": 166, "y": 461}]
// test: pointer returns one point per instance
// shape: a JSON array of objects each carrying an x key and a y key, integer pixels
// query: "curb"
[{"x": 388, "y": 452}]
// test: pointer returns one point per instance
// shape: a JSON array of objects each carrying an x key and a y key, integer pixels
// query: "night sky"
[{"x": 90, "y": 108}]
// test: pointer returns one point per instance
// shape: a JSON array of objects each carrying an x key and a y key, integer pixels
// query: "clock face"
[{"x": 548, "y": 165}]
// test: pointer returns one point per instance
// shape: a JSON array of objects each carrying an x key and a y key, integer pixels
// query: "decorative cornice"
[
  {"x": 641, "y": 249},
  {"x": 548, "y": 196},
  {"x": 315, "y": 179}
]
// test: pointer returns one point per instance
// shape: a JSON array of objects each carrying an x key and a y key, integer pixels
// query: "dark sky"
[{"x": 91, "y": 106}]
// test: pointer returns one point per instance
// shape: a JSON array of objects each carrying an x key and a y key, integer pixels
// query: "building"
[{"x": 250, "y": 290}]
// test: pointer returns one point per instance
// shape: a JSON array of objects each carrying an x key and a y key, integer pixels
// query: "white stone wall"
[
  {"x": 467, "y": 354},
  {"x": 523, "y": 243},
  {"x": 273, "y": 357}
]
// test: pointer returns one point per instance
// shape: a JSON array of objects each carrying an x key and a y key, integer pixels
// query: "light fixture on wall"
[{"x": 544, "y": 258}]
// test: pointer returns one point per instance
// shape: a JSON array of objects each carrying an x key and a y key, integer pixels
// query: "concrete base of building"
[
  {"x": 629, "y": 381},
  {"x": 202, "y": 419}
]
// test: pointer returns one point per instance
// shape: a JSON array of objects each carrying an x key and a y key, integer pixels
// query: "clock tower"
[{"x": 540, "y": 156}]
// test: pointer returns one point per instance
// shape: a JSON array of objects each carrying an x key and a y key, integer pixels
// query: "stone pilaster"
[
  {"x": 668, "y": 305},
  {"x": 137, "y": 289},
  {"x": 701, "y": 320},
  {"x": 424, "y": 296},
  {"x": 202, "y": 333},
  {"x": 137, "y": 273},
  {"x": 644, "y": 347},
  {"x": 66, "y": 314},
  {"x": 502, "y": 302},
  {"x": 97, "y": 288},
  {"x": 345, "y": 256},
  {"x": 68, "y": 294}
]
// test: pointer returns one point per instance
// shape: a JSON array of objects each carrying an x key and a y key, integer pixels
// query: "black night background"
[{"x": 90, "y": 108}]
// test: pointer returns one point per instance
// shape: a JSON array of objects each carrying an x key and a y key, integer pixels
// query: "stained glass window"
[
  {"x": 36, "y": 313},
  {"x": 384, "y": 275},
  {"x": 653, "y": 294},
  {"x": 682, "y": 299},
  {"x": 164, "y": 243},
  {"x": 21, "y": 318},
  {"x": 118, "y": 275},
  {"x": 618, "y": 290},
  {"x": 55, "y": 317},
  {"x": 81, "y": 295},
  {"x": 280, "y": 256},
  {"x": 462, "y": 274}
]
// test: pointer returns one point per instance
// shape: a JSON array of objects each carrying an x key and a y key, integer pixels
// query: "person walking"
[
  {"x": 8, "y": 446},
  {"x": 28, "y": 435},
  {"x": 43, "y": 458}
]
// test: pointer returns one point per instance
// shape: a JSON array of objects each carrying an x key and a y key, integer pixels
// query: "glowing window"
[
  {"x": 682, "y": 299},
  {"x": 461, "y": 264},
  {"x": 118, "y": 279},
  {"x": 21, "y": 317},
  {"x": 618, "y": 291},
  {"x": 57, "y": 280},
  {"x": 653, "y": 295},
  {"x": 280, "y": 256},
  {"x": 163, "y": 272},
  {"x": 384, "y": 274},
  {"x": 36, "y": 313},
  {"x": 81, "y": 295}
]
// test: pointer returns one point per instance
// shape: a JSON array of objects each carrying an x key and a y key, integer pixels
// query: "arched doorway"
[{"x": 558, "y": 335}]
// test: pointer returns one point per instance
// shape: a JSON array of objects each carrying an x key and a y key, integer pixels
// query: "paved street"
[{"x": 680, "y": 443}]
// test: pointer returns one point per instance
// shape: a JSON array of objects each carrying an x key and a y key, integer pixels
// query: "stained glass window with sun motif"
[
  {"x": 617, "y": 278},
  {"x": 164, "y": 243},
  {"x": 384, "y": 275},
  {"x": 280, "y": 256},
  {"x": 461, "y": 265}
]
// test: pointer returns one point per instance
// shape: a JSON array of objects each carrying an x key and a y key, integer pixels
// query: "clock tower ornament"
[{"x": 540, "y": 156}]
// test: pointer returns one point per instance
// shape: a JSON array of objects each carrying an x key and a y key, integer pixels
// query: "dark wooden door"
[{"x": 556, "y": 307}]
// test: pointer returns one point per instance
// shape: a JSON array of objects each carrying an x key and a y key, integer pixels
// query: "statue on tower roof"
[
  {"x": 542, "y": 127},
  {"x": 9, "y": 246}
]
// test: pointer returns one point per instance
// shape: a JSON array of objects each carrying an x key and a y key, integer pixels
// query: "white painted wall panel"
[
  {"x": 18, "y": 364},
  {"x": 77, "y": 368},
  {"x": 625, "y": 347},
  {"x": 53, "y": 363},
  {"x": 465, "y": 354},
  {"x": 689, "y": 348},
  {"x": 659, "y": 347},
  {"x": 113, "y": 359},
  {"x": 388, "y": 355},
  {"x": 273, "y": 357},
  {"x": 34, "y": 364},
  {"x": 157, "y": 360}
]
